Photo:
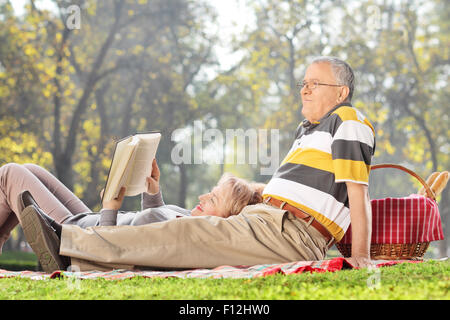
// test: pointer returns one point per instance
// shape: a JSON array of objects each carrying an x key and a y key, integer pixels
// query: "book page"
[
  {"x": 122, "y": 155},
  {"x": 142, "y": 164},
  {"x": 125, "y": 178}
]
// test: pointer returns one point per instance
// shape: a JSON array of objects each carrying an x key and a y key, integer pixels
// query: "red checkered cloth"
[
  {"x": 237, "y": 272},
  {"x": 410, "y": 219}
]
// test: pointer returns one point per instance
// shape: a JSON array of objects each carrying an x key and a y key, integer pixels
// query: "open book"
[{"x": 131, "y": 164}]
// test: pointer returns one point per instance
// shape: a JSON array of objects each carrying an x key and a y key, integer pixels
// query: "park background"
[{"x": 68, "y": 88}]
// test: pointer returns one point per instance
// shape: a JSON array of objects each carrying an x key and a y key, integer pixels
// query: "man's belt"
[{"x": 301, "y": 215}]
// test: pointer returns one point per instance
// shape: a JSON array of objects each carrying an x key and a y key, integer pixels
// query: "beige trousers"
[{"x": 260, "y": 234}]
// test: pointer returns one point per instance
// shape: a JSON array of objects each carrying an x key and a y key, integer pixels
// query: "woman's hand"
[
  {"x": 115, "y": 203},
  {"x": 153, "y": 179}
]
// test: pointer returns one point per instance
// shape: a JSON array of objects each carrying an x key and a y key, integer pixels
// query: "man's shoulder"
[{"x": 349, "y": 113}]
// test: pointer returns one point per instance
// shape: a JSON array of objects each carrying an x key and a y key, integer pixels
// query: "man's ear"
[{"x": 343, "y": 94}]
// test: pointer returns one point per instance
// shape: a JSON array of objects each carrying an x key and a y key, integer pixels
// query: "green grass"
[
  {"x": 18, "y": 260},
  {"x": 428, "y": 280}
]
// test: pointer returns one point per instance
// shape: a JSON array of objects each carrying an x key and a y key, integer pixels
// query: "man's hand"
[
  {"x": 360, "y": 262},
  {"x": 153, "y": 179},
  {"x": 115, "y": 203}
]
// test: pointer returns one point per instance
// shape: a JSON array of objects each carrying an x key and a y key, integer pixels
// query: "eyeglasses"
[{"x": 311, "y": 85}]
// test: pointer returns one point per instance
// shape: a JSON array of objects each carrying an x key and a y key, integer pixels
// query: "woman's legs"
[
  {"x": 59, "y": 190},
  {"x": 15, "y": 178}
]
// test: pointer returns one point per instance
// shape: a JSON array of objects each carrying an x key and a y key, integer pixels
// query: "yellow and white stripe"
[
  {"x": 354, "y": 139},
  {"x": 347, "y": 129},
  {"x": 314, "y": 203}
]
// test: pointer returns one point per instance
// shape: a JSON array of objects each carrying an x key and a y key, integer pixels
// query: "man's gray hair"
[{"x": 342, "y": 71}]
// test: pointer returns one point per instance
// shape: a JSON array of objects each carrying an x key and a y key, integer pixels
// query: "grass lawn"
[
  {"x": 428, "y": 280},
  {"x": 18, "y": 260}
]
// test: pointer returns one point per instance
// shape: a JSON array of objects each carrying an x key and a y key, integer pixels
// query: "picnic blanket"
[{"x": 329, "y": 265}]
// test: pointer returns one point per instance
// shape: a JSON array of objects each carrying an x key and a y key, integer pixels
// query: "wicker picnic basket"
[{"x": 394, "y": 251}]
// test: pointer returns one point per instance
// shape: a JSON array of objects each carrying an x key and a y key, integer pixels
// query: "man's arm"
[{"x": 361, "y": 220}]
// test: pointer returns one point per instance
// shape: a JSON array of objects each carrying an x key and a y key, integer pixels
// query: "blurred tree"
[
  {"x": 402, "y": 59},
  {"x": 131, "y": 66},
  {"x": 399, "y": 52}
]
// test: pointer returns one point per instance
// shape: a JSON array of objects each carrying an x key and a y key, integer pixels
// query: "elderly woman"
[{"x": 61, "y": 206}]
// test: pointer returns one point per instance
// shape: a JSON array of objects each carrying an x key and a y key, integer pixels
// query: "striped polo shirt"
[{"x": 324, "y": 155}]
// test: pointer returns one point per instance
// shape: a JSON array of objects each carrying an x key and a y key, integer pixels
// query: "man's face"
[{"x": 317, "y": 102}]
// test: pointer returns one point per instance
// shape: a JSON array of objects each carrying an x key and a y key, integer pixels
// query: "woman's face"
[{"x": 213, "y": 203}]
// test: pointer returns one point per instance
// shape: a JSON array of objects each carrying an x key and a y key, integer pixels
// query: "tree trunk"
[
  {"x": 183, "y": 186},
  {"x": 91, "y": 194},
  {"x": 63, "y": 164},
  {"x": 126, "y": 124}
]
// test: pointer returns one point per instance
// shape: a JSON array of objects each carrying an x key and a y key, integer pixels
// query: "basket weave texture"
[
  {"x": 390, "y": 251},
  {"x": 394, "y": 251}
]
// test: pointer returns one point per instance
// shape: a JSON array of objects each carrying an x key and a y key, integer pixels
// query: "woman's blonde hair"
[{"x": 242, "y": 193}]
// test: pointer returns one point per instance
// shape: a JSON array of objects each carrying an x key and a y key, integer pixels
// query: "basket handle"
[{"x": 430, "y": 192}]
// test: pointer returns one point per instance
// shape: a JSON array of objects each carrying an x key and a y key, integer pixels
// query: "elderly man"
[
  {"x": 326, "y": 172},
  {"x": 319, "y": 188}
]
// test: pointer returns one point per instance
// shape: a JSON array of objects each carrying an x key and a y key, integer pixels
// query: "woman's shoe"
[
  {"x": 26, "y": 199},
  {"x": 42, "y": 239}
]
